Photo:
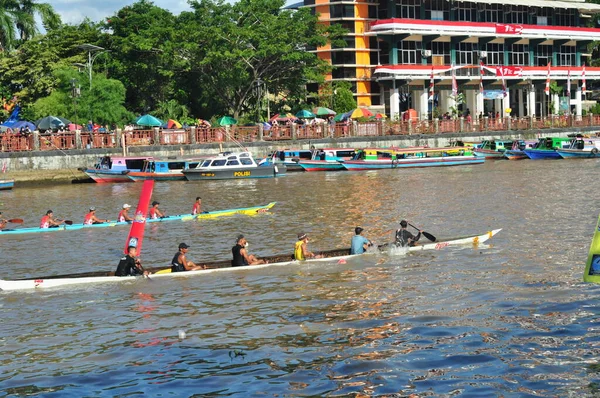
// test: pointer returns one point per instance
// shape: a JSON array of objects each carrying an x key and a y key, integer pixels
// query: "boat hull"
[
  {"x": 488, "y": 153},
  {"x": 578, "y": 153},
  {"x": 591, "y": 272},
  {"x": 537, "y": 154},
  {"x": 6, "y": 184},
  {"x": 320, "y": 165},
  {"x": 220, "y": 266},
  {"x": 268, "y": 171},
  {"x": 182, "y": 217},
  {"x": 412, "y": 162},
  {"x": 139, "y": 176},
  {"x": 515, "y": 154},
  {"x": 107, "y": 176}
]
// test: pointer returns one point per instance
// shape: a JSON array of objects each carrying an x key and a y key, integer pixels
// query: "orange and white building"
[{"x": 502, "y": 55}]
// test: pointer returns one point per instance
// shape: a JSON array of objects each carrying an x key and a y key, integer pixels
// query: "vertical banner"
[
  {"x": 481, "y": 76},
  {"x": 454, "y": 83},
  {"x": 547, "y": 89},
  {"x": 431, "y": 86},
  {"x": 136, "y": 233},
  {"x": 569, "y": 83},
  {"x": 583, "y": 88}
]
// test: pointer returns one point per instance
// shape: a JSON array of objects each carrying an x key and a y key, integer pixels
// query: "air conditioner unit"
[
  {"x": 482, "y": 54},
  {"x": 426, "y": 53}
]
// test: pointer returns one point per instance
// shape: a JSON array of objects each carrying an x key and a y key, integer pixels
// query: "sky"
[{"x": 74, "y": 11}]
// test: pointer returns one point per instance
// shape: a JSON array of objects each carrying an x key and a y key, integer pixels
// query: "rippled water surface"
[{"x": 511, "y": 318}]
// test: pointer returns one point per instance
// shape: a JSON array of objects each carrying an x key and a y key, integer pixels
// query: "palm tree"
[{"x": 17, "y": 21}]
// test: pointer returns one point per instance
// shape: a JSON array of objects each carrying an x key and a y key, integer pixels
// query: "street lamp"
[{"x": 93, "y": 52}]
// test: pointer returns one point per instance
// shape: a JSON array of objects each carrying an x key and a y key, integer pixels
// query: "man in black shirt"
[
  {"x": 240, "y": 254},
  {"x": 405, "y": 238},
  {"x": 130, "y": 265}
]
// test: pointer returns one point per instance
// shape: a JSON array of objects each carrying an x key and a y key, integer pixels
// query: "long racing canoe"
[
  {"x": 220, "y": 266},
  {"x": 182, "y": 217},
  {"x": 592, "y": 266}
]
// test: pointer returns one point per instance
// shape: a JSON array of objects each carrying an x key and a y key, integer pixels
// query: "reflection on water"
[{"x": 509, "y": 318}]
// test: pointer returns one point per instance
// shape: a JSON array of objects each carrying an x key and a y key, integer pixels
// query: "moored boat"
[
  {"x": 591, "y": 272},
  {"x": 115, "y": 168},
  {"x": 164, "y": 170},
  {"x": 327, "y": 159},
  {"x": 493, "y": 149},
  {"x": 288, "y": 157},
  {"x": 233, "y": 165},
  {"x": 182, "y": 217},
  {"x": 546, "y": 148},
  {"x": 580, "y": 148},
  {"x": 7, "y": 184},
  {"x": 517, "y": 150},
  {"x": 220, "y": 266}
]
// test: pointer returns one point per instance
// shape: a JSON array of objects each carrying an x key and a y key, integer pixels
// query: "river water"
[{"x": 509, "y": 318}]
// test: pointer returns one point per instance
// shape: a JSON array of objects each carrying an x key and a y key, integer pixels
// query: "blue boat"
[
  {"x": 7, "y": 184},
  {"x": 288, "y": 157},
  {"x": 546, "y": 148},
  {"x": 581, "y": 148},
  {"x": 115, "y": 168},
  {"x": 164, "y": 170}
]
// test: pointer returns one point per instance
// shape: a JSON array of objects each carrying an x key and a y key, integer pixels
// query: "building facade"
[{"x": 482, "y": 57}]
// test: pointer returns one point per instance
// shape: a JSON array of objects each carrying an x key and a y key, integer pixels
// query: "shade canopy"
[
  {"x": 49, "y": 123},
  {"x": 360, "y": 112},
  {"x": 148, "y": 120},
  {"x": 322, "y": 111},
  {"x": 305, "y": 114},
  {"x": 226, "y": 121}
]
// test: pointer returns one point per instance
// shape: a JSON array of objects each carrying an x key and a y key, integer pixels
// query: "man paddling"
[
  {"x": 155, "y": 211},
  {"x": 3, "y": 222},
  {"x": 197, "y": 209},
  {"x": 359, "y": 243},
  {"x": 91, "y": 218},
  {"x": 124, "y": 214},
  {"x": 180, "y": 263},
  {"x": 241, "y": 256},
  {"x": 301, "y": 251},
  {"x": 404, "y": 237},
  {"x": 130, "y": 265},
  {"x": 48, "y": 221}
]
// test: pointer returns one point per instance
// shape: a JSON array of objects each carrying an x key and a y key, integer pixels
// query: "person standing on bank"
[
  {"x": 241, "y": 256},
  {"x": 359, "y": 242},
  {"x": 197, "y": 209},
  {"x": 130, "y": 265},
  {"x": 405, "y": 238},
  {"x": 180, "y": 263}
]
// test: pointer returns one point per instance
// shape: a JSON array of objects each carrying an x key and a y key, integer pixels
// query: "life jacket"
[
  {"x": 152, "y": 213},
  {"x": 45, "y": 222},
  {"x": 121, "y": 217},
  {"x": 176, "y": 266},
  {"x": 88, "y": 219},
  {"x": 195, "y": 209},
  {"x": 298, "y": 254}
]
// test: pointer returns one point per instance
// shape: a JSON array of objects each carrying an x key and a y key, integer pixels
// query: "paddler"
[
  {"x": 91, "y": 218},
  {"x": 48, "y": 221},
  {"x": 3, "y": 222},
  {"x": 359, "y": 243},
  {"x": 301, "y": 251},
  {"x": 404, "y": 237},
  {"x": 241, "y": 256},
  {"x": 155, "y": 211},
  {"x": 180, "y": 263},
  {"x": 123, "y": 214},
  {"x": 130, "y": 265},
  {"x": 197, "y": 208}
]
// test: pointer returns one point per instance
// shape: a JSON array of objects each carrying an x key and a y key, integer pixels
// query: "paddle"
[
  {"x": 68, "y": 222},
  {"x": 425, "y": 234},
  {"x": 16, "y": 220}
]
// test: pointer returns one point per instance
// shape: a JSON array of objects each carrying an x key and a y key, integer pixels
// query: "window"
[
  {"x": 372, "y": 12},
  {"x": 348, "y": 25},
  {"x": 493, "y": 13},
  {"x": 520, "y": 54},
  {"x": 343, "y": 57},
  {"x": 495, "y": 54},
  {"x": 343, "y": 73},
  {"x": 409, "y": 9},
  {"x": 543, "y": 55},
  {"x": 542, "y": 20},
  {"x": 409, "y": 52},
  {"x": 437, "y": 10},
  {"x": 441, "y": 53},
  {"x": 516, "y": 14},
  {"x": 467, "y": 54},
  {"x": 564, "y": 17},
  {"x": 176, "y": 165},
  {"x": 233, "y": 163},
  {"x": 219, "y": 162},
  {"x": 206, "y": 163},
  {"x": 566, "y": 56},
  {"x": 341, "y": 11},
  {"x": 134, "y": 164},
  {"x": 245, "y": 161},
  {"x": 467, "y": 12}
]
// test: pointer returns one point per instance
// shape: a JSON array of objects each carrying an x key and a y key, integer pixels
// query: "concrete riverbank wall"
[{"x": 62, "y": 166}]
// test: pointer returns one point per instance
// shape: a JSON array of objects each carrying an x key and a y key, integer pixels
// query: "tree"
[
  {"x": 17, "y": 21},
  {"x": 232, "y": 49},
  {"x": 343, "y": 98},
  {"x": 104, "y": 104}
]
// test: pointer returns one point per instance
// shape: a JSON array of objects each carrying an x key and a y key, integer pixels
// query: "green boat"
[{"x": 592, "y": 266}]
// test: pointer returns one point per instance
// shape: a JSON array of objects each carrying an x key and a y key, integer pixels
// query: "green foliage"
[
  {"x": 104, "y": 104},
  {"x": 343, "y": 99},
  {"x": 172, "y": 110},
  {"x": 17, "y": 21},
  {"x": 458, "y": 100},
  {"x": 595, "y": 109}
]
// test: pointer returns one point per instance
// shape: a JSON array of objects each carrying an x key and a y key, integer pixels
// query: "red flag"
[
  {"x": 4, "y": 167},
  {"x": 454, "y": 83},
  {"x": 481, "y": 77},
  {"x": 569, "y": 83},
  {"x": 431, "y": 85},
  {"x": 547, "y": 89},
  {"x": 583, "y": 88}
]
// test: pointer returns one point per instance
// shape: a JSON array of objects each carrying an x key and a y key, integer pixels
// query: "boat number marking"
[
  {"x": 38, "y": 282},
  {"x": 241, "y": 173},
  {"x": 207, "y": 174},
  {"x": 441, "y": 245}
]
